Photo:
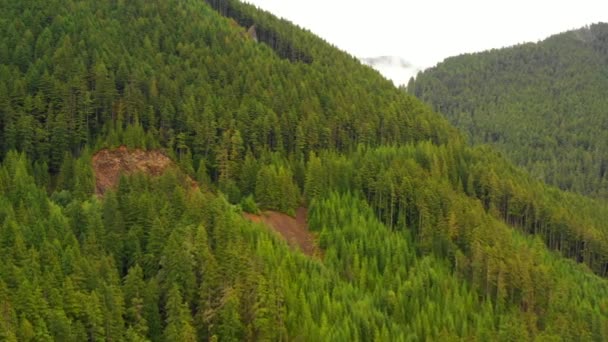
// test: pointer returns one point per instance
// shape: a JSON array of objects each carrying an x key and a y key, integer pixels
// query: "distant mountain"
[{"x": 545, "y": 104}]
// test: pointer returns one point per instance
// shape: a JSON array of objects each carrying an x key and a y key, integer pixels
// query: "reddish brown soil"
[
  {"x": 294, "y": 230},
  {"x": 108, "y": 165}
]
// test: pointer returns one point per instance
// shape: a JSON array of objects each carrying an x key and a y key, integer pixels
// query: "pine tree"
[
  {"x": 179, "y": 321},
  {"x": 230, "y": 327},
  {"x": 315, "y": 180},
  {"x": 134, "y": 290}
]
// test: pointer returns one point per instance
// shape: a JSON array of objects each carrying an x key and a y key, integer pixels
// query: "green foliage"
[
  {"x": 542, "y": 104},
  {"x": 249, "y": 206},
  {"x": 447, "y": 269},
  {"x": 179, "y": 322},
  {"x": 276, "y": 190},
  {"x": 421, "y": 236},
  {"x": 114, "y": 73}
]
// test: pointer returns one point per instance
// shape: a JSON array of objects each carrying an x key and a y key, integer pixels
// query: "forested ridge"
[
  {"x": 543, "y": 104},
  {"x": 422, "y": 236}
]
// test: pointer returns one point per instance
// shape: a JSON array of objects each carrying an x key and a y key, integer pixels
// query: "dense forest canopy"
[
  {"x": 543, "y": 104},
  {"x": 422, "y": 235}
]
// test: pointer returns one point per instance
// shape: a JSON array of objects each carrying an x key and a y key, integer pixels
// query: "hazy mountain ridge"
[{"x": 543, "y": 104}]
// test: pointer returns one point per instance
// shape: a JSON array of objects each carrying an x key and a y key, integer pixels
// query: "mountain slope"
[
  {"x": 422, "y": 236},
  {"x": 544, "y": 105}
]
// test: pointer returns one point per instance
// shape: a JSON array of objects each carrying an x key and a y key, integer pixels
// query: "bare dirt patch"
[
  {"x": 294, "y": 230},
  {"x": 108, "y": 165}
]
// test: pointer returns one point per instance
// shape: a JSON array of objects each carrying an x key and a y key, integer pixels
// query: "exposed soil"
[
  {"x": 294, "y": 230},
  {"x": 108, "y": 165}
]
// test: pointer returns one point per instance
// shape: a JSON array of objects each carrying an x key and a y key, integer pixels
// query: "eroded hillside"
[
  {"x": 109, "y": 165},
  {"x": 293, "y": 229}
]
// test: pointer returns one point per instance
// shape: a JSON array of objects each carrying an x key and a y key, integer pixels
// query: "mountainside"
[
  {"x": 420, "y": 236},
  {"x": 544, "y": 105}
]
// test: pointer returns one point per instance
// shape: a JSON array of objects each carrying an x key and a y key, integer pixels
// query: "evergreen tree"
[{"x": 179, "y": 322}]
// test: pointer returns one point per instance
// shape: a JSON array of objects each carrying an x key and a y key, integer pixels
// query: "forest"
[
  {"x": 423, "y": 235},
  {"x": 542, "y": 104}
]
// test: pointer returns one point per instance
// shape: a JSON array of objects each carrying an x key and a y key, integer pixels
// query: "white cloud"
[{"x": 426, "y": 32}]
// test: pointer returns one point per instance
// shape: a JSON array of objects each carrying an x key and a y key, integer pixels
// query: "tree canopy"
[
  {"x": 423, "y": 236},
  {"x": 542, "y": 104}
]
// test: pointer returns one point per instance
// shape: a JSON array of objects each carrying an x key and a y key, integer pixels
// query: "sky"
[{"x": 422, "y": 33}]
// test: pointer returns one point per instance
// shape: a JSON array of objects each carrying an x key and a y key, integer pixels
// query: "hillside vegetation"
[
  {"x": 422, "y": 236},
  {"x": 543, "y": 104}
]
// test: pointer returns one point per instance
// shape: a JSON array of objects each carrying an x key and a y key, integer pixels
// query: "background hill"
[
  {"x": 421, "y": 235},
  {"x": 543, "y": 104}
]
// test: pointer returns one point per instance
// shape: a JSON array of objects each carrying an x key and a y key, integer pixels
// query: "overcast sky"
[{"x": 424, "y": 32}]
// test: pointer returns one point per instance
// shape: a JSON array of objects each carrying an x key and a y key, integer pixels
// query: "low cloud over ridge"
[{"x": 392, "y": 61}]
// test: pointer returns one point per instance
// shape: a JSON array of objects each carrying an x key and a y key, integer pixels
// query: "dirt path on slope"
[{"x": 294, "y": 230}]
